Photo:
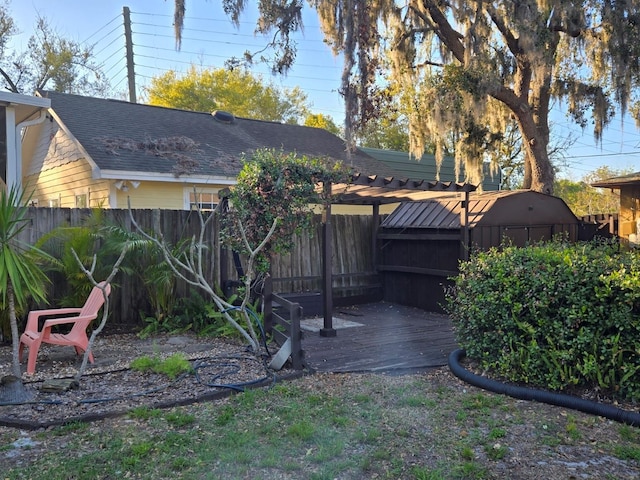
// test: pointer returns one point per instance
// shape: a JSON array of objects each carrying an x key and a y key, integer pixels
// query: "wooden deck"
[{"x": 391, "y": 338}]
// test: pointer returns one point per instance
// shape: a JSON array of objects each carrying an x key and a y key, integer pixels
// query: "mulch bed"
[{"x": 111, "y": 388}]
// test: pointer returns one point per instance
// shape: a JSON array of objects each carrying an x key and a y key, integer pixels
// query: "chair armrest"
[
  {"x": 34, "y": 316},
  {"x": 62, "y": 321},
  {"x": 48, "y": 324}
]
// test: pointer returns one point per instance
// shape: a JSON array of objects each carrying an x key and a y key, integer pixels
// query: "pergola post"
[
  {"x": 464, "y": 223},
  {"x": 327, "y": 252}
]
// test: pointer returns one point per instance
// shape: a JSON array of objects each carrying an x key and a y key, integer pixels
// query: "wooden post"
[
  {"x": 223, "y": 252},
  {"x": 131, "y": 76},
  {"x": 267, "y": 304},
  {"x": 464, "y": 223},
  {"x": 295, "y": 315},
  {"x": 327, "y": 253},
  {"x": 374, "y": 235}
]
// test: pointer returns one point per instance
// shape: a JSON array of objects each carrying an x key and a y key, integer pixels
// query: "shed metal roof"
[{"x": 525, "y": 207}]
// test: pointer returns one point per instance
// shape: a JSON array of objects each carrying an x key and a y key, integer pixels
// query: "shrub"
[
  {"x": 187, "y": 314},
  {"x": 554, "y": 315}
]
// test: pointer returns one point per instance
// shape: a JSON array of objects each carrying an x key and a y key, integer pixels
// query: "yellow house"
[
  {"x": 629, "y": 215},
  {"x": 93, "y": 152}
]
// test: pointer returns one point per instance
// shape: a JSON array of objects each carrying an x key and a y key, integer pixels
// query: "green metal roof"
[{"x": 425, "y": 167}]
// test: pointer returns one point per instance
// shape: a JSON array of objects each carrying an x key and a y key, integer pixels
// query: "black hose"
[
  {"x": 552, "y": 398},
  {"x": 255, "y": 316},
  {"x": 31, "y": 402},
  {"x": 232, "y": 367}
]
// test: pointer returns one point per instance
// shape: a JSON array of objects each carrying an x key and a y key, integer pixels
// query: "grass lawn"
[{"x": 335, "y": 426}]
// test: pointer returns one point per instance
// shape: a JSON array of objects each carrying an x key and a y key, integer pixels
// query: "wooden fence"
[
  {"x": 600, "y": 225},
  {"x": 353, "y": 271},
  {"x": 296, "y": 272}
]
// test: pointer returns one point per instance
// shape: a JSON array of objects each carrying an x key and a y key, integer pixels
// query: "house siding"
[
  {"x": 629, "y": 208},
  {"x": 57, "y": 173},
  {"x": 65, "y": 183},
  {"x": 54, "y": 149},
  {"x": 163, "y": 195}
]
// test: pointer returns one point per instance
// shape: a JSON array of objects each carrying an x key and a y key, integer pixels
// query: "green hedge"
[{"x": 554, "y": 315}]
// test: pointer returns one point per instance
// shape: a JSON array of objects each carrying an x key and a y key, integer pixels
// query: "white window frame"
[
  {"x": 78, "y": 198},
  {"x": 207, "y": 204}
]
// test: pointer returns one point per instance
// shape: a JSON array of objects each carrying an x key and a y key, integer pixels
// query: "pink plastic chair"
[{"x": 80, "y": 318}]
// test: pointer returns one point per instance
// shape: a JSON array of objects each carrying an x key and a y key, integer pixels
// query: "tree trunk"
[{"x": 539, "y": 174}]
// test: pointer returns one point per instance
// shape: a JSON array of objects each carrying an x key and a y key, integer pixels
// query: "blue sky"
[{"x": 209, "y": 38}]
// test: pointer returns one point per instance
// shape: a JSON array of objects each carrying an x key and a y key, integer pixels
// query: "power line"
[
  {"x": 101, "y": 28},
  {"x": 189, "y": 62},
  {"x": 207, "y": 19},
  {"x": 117, "y": 27},
  {"x": 219, "y": 32},
  {"x": 217, "y": 42}
]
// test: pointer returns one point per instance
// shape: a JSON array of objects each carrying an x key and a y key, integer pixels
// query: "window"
[
  {"x": 205, "y": 200},
  {"x": 54, "y": 203},
  {"x": 81, "y": 201}
]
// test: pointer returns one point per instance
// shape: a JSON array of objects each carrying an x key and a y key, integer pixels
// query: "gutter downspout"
[{"x": 17, "y": 181}]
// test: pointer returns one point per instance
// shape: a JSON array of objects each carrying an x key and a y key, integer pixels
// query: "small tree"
[
  {"x": 20, "y": 276},
  {"x": 270, "y": 203}
]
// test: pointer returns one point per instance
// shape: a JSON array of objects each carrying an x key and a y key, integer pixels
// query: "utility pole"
[{"x": 131, "y": 75}]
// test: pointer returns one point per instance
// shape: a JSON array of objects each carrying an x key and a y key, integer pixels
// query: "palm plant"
[{"x": 20, "y": 276}]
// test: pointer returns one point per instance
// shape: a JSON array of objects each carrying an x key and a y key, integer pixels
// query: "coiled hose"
[{"x": 552, "y": 398}]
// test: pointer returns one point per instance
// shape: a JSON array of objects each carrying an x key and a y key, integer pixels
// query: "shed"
[{"x": 421, "y": 243}]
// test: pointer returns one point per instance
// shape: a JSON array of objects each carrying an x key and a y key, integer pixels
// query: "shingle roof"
[
  {"x": 618, "y": 182},
  {"x": 123, "y": 136}
]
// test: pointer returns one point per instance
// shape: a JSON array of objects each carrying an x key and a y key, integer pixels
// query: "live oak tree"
[
  {"x": 237, "y": 91},
  {"x": 50, "y": 61},
  {"x": 466, "y": 68}
]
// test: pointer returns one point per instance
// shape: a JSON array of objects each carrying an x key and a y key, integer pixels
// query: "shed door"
[{"x": 523, "y": 236}]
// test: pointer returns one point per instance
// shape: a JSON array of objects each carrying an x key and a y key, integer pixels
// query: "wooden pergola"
[{"x": 376, "y": 190}]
